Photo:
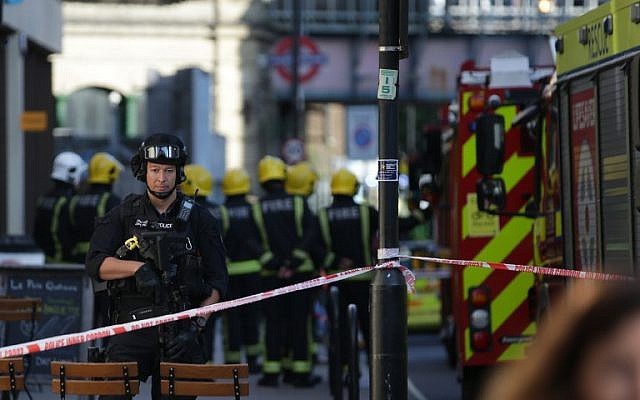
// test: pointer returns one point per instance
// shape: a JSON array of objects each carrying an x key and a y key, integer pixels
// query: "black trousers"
[
  {"x": 144, "y": 347},
  {"x": 241, "y": 323},
  {"x": 287, "y": 320}
]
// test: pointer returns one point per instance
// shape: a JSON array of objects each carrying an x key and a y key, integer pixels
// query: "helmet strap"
[{"x": 161, "y": 195}]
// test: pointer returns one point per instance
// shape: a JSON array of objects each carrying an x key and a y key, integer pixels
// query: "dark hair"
[{"x": 589, "y": 313}]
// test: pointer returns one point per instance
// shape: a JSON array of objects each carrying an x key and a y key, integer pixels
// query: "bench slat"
[
  {"x": 92, "y": 370},
  {"x": 187, "y": 388},
  {"x": 18, "y": 365},
  {"x": 84, "y": 387},
  {"x": 5, "y": 384},
  {"x": 204, "y": 371}
]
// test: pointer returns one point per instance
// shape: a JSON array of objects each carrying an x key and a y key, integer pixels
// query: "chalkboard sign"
[{"x": 61, "y": 296}]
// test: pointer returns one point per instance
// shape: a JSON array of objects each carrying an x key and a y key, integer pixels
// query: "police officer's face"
[{"x": 161, "y": 177}]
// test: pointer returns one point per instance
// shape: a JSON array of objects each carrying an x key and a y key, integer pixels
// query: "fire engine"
[
  {"x": 543, "y": 171},
  {"x": 597, "y": 98},
  {"x": 494, "y": 165}
]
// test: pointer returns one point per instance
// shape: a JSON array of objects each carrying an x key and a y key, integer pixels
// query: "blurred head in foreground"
[{"x": 587, "y": 349}]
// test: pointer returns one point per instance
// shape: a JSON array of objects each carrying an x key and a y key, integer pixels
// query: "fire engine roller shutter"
[
  {"x": 565, "y": 163},
  {"x": 584, "y": 182},
  {"x": 615, "y": 184}
]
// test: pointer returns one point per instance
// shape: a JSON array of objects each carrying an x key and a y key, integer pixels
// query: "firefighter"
[
  {"x": 243, "y": 235},
  {"x": 51, "y": 226},
  {"x": 349, "y": 230},
  {"x": 84, "y": 208},
  {"x": 173, "y": 260},
  {"x": 287, "y": 224},
  {"x": 301, "y": 179},
  {"x": 199, "y": 185},
  {"x": 94, "y": 203}
]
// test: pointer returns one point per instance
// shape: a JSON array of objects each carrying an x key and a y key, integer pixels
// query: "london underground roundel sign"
[{"x": 309, "y": 62}]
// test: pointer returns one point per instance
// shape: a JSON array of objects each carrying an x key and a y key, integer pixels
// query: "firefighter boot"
[
  {"x": 305, "y": 380},
  {"x": 269, "y": 380},
  {"x": 254, "y": 366}
]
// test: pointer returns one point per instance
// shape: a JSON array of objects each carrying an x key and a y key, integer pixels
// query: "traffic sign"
[{"x": 293, "y": 150}]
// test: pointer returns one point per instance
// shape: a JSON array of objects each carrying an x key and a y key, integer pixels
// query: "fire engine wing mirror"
[
  {"x": 491, "y": 194},
  {"x": 526, "y": 115},
  {"x": 490, "y": 144}
]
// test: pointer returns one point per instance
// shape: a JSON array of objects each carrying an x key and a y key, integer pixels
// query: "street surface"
[{"x": 429, "y": 378}]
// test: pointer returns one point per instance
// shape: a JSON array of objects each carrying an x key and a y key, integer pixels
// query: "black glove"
[
  {"x": 146, "y": 250},
  {"x": 170, "y": 273},
  {"x": 147, "y": 279},
  {"x": 180, "y": 345}
]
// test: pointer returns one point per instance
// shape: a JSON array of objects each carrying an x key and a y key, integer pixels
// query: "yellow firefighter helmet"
[
  {"x": 271, "y": 168},
  {"x": 344, "y": 182},
  {"x": 104, "y": 168},
  {"x": 301, "y": 178},
  {"x": 198, "y": 177},
  {"x": 235, "y": 182}
]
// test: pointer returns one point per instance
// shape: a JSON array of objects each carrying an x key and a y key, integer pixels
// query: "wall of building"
[{"x": 32, "y": 30}]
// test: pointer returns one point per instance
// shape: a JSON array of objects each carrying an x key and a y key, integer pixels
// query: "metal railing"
[{"x": 430, "y": 16}]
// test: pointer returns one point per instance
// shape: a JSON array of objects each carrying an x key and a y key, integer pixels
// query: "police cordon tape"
[
  {"x": 94, "y": 334},
  {"x": 567, "y": 273},
  {"x": 71, "y": 339}
]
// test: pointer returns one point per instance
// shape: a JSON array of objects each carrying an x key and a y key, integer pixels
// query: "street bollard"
[
  {"x": 354, "y": 353},
  {"x": 335, "y": 362}
]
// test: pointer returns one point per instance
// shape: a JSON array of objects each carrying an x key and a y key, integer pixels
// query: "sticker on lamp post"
[
  {"x": 387, "y": 80},
  {"x": 387, "y": 170}
]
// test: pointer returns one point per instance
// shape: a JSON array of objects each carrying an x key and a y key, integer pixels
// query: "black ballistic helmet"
[{"x": 160, "y": 148}]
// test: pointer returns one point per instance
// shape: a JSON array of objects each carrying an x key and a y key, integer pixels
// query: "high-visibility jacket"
[
  {"x": 348, "y": 230},
  {"x": 51, "y": 226},
  {"x": 243, "y": 236},
  {"x": 83, "y": 210},
  {"x": 289, "y": 229}
]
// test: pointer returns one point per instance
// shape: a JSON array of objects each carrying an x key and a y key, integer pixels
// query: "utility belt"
[
  {"x": 127, "y": 305},
  {"x": 137, "y": 314}
]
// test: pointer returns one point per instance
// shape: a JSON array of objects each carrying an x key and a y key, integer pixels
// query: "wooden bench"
[
  {"x": 115, "y": 378},
  {"x": 12, "y": 310},
  {"x": 11, "y": 376},
  {"x": 22, "y": 309},
  {"x": 204, "y": 380}
]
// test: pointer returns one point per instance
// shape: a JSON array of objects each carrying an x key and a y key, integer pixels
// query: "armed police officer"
[{"x": 174, "y": 259}]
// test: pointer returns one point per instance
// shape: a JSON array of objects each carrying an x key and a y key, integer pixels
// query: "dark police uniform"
[
  {"x": 242, "y": 225},
  {"x": 288, "y": 224},
  {"x": 196, "y": 238},
  {"x": 51, "y": 225},
  {"x": 348, "y": 230}
]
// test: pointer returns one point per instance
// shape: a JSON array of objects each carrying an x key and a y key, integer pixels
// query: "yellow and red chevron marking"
[
  {"x": 510, "y": 314},
  {"x": 512, "y": 243}
]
